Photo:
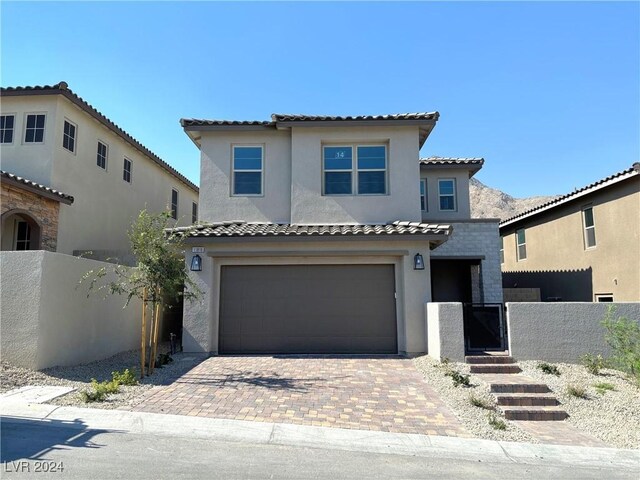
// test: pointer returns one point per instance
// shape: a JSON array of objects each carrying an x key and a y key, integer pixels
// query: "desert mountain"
[{"x": 487, "y": 202}]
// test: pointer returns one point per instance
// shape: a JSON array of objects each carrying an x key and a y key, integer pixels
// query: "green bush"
[
  {"x": 480, "y": 402},
  {"x": 127, "y": 377},
  {"x": 458, "y": 378},
  {"x": 623, "y": 336},
  {"x": 496, "y": 422},
  {"x": 593, "y": 363},
  {"x": 577, "y": 391},
  {"x": 603, "y": 387},
  {"x": 549, "y": 369}
]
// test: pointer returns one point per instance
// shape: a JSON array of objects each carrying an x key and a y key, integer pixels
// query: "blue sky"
[{"x": 548, "y": 93}]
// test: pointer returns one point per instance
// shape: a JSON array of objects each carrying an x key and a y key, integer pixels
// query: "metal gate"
[{"x": 484, "y": 327}]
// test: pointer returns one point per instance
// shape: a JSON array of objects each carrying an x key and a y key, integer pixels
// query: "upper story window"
[
  {"x": 589, "y": 227},
  {"x": 7, "y": 123},
  {"x": 194, "y": 212},
  {"x": 424, "y": 201},
  {"x": 521, "y": 244},
  {"x": 69, "y": 136},
  {"x": 366, "y": 174},
  {"x": 447, "y": 194},
  {"x": 34, "y": 128},
  {"x": 247, "y": 165},
  {"x": 174, "y": 204},
  {"x": 126, "y": 170},
  {"x": 101, "y": 155},
  {"x": 501, "y": 249}
]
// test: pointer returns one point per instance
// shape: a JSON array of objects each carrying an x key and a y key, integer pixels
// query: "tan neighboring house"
[
  {"x": 583, "y": 246},
  {"x": 329, "y": 235},
  {"x": 53, "y": 141}
]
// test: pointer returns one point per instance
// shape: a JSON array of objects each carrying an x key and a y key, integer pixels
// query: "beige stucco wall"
[
  {"x": 445, "y": 331},
  {"x": 105, "y": 205},
  {"x": 555, "y": 241},
  {"x": 201, "y": 317},
  {"x": 463, "y": 208},
  {"x": 46, "y": 321}
]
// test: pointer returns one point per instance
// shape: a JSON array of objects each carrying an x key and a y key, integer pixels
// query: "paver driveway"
[{"x": 371, "y": 393}]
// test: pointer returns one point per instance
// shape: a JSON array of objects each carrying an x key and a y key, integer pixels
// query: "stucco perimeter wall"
[
  {"x": 561, "y": 332},
  {"x": 445, "y": 331},
  {"x": 46, "y": 321}
]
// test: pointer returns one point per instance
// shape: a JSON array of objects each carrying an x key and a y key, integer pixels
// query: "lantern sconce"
[
  {"x": 418, "y": 262},
  {"x": 196, "y": 263}
]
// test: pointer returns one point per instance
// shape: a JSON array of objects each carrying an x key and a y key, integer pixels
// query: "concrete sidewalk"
[{"x": 321, "y": 437}]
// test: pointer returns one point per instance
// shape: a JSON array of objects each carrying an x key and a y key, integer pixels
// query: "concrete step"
[
  {"x": 536, "y": 414},
  {"x": 526, "y": 400},
  {"x": 519, "y": 387},
  {"x": 489, "y": 359},
  {"x": 498, "y": 368}
]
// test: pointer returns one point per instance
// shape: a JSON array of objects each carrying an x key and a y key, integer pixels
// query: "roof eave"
[{"x": 66, "y": 199}]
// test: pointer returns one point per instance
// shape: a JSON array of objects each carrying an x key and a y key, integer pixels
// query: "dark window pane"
[
  {"x": 591, "y": 237},
  {"x": 7, "y": 136},
  {"x": 40, "y": 121},
  {"x": 371, "y": 157},
  {"x": 337, "y": 183},
  {"x": 247, "y": 158},
  {"x": 39, "y": 136},
  {"x": 371, "y": 182},
  {"x": 31, "y": 121},
  {"x": 521, "y": 236},
  {"x": 247, "y": 183},
  {"x": 522, "y": 252},
  {"x": 446, "y": 187},
  {"x": 29, "y": 136},
  {"x": 9, "y": 121},
  {"x": 338, "y": 158},
  {"x": 588, "y": 217},
  {"x": 447, "y": 203}
]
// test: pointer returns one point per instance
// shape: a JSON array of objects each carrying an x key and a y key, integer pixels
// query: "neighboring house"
[
  {"x": 59, "y": 142},
  {"x": 583, "y": 246},
  {"x": 317, "y": 235}
]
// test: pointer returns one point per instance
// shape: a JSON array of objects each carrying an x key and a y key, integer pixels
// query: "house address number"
[{"x": 197, "y": 250}]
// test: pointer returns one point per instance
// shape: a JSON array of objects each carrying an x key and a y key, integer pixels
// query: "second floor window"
[
  {"x": 194, "y": 212},
  {"x": 126, "y": 170},
  {"x": 589, "y": 227},
  {"x": 424, "y": 202},
  {"x": 101, "y": 156},
  {"x": 34, "y": 128},
  {"x": 366, "y": 174},
  {"x": 69, "y": 136},
  {"x": 501, "y": 249},
  {"x": 174, "y": 204},
  {"x": 447, "y": 193},
  {"x": 521, "y": 244},
  {"x": 247, "y": 170},
  {"x": 6, "y": 128}
]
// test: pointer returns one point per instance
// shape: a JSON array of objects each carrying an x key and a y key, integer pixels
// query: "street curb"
[{"x": 318, "y": 437}]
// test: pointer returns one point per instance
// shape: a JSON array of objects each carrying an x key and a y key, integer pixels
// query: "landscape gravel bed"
[
  {"x": 613, "y": 416},
  {"x": 79, "y": 377},
  {"x": 474, "y": 419}
]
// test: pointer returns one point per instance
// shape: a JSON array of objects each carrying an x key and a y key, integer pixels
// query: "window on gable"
[
  {"x": 6, "y": 128},
  {"x": 174, "y": 204},
  {"x": 34, "y": 128},
  {"x": 247, "y": 170},
  {"x": 447, "y": 194},
  {"x": 194, "y": 212},
  {"x": 126, "y": 170},
  {"x": 69, "y": 136},
  {"x": 367, "y": 175},
  {"x": 521, "y": 244},
  {"x": 424, "y": 201},
  {"x": 589, "y": 227},
  {"x": 101, "y": 155}
]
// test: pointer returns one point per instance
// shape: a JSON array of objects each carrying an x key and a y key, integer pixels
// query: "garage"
[{"x": 307, "y": 309}]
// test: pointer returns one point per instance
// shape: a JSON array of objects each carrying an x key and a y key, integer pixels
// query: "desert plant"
[
  {"x": 496, "y": 422},
  {"x": 577, "y": 391},
  {"x": 623, "y": 336},
  {"x": 458, "y": 378},
  {"x": 127, "y": 377},
  {"x": 99, "y": 390},
  {"x": 593, "y": 363},
  {"x": 480, "y": 402},
  {"x": 603, "y": 387},
  {"x": 549, "y": 369}
]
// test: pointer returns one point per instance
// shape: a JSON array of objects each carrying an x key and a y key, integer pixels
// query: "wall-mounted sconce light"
[
  {"x": 418, "y": 262},
  {"x": 196, "y": 263}
]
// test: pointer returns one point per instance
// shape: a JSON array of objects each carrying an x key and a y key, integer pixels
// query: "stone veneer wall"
[{"x": 43, "y": 210}]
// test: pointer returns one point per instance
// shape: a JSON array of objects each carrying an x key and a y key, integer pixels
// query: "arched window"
[{"x": 20, "y": 231}]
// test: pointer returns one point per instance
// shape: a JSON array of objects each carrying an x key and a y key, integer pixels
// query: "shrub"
[
  {"x": 458, "y": 378},
  {"x": 593, "y": 363},
  {"x": 549, "y": 369},
  {"x": 577, "y": 391},
  {"x": 127, "y": 377},
  {"x": 623, "y": 336},
  {"x": 496, "y": 422},
  {"x": 480, "y": 402},
  {"x": 99, "y": 391},
  {"x": 603, "y": 387}
]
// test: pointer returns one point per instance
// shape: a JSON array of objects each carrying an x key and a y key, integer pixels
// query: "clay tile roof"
[
  {"x": 451, "y": 161},
  {"x": 278, "y": 117},
  {"x": 63, "y": 89},
  {"x": 36, "y": 187},
  {"x": 592, "y": 187},
  {"x": 195, "y": 122}
]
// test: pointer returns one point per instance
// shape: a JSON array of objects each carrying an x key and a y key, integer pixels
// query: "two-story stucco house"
[
  {"x": 52, "y": 141},
  {"x": 329, "y": 234}
]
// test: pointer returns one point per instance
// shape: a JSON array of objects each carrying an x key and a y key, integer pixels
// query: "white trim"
[
  {"x": 423, "y": 181},
  {"x": 585, "y": 236},
  {"x": 74, "y": 138},
  {"x": 454, "y": 195},
  {"x": 194, "y": 220},
  {"x": 523, "y": 244},
  {"x": 600, "y": 296},
  {"x": 24, "y": 129},
  {"x": 125, "y": 159},
  {"x": 13, "y": 129},
  {"x": 177, "y": 202},
  {"x": 262, "y": 148},
  {"x": 106, "y": 157},
  {"x": 355, "y": 185}
]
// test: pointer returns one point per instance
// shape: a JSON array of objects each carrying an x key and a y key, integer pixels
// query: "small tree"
[
  {"x": 160, "y": 275},
  {"x": 623, "y": 336}
]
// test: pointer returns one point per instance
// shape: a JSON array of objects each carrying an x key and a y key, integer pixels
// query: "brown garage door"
[{"x": 308, "y": 309}]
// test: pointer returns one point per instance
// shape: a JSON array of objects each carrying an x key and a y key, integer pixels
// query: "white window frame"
[
  {"x": 44, "y": 129},
  {"x": 585, "y": 228},
  {"x": 454, "y": 195},
  {"x": 106, "y": 155},
  {"x": 355, "y": 184},
  {"x": 16, "y": 227},
  {"x": 518, "y": 245},
  {"x": 425, "y": 195},
  {"x": 194, "y": 212},
  {"x": 502, "y": 250},
  {"x": 599, "y": 297},
  {"x": 174, "y": 207},
  {"x": 13, "y": 129},
  {"x": 125, "y": 159},
  {"x": 233, "y": 170},
  {"x": 74, "y": 138}
]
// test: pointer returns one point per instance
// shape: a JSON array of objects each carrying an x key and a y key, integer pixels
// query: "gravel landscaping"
[
  {"x": 79, "y": 377},
  {"x": 613, "y": 416}
]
